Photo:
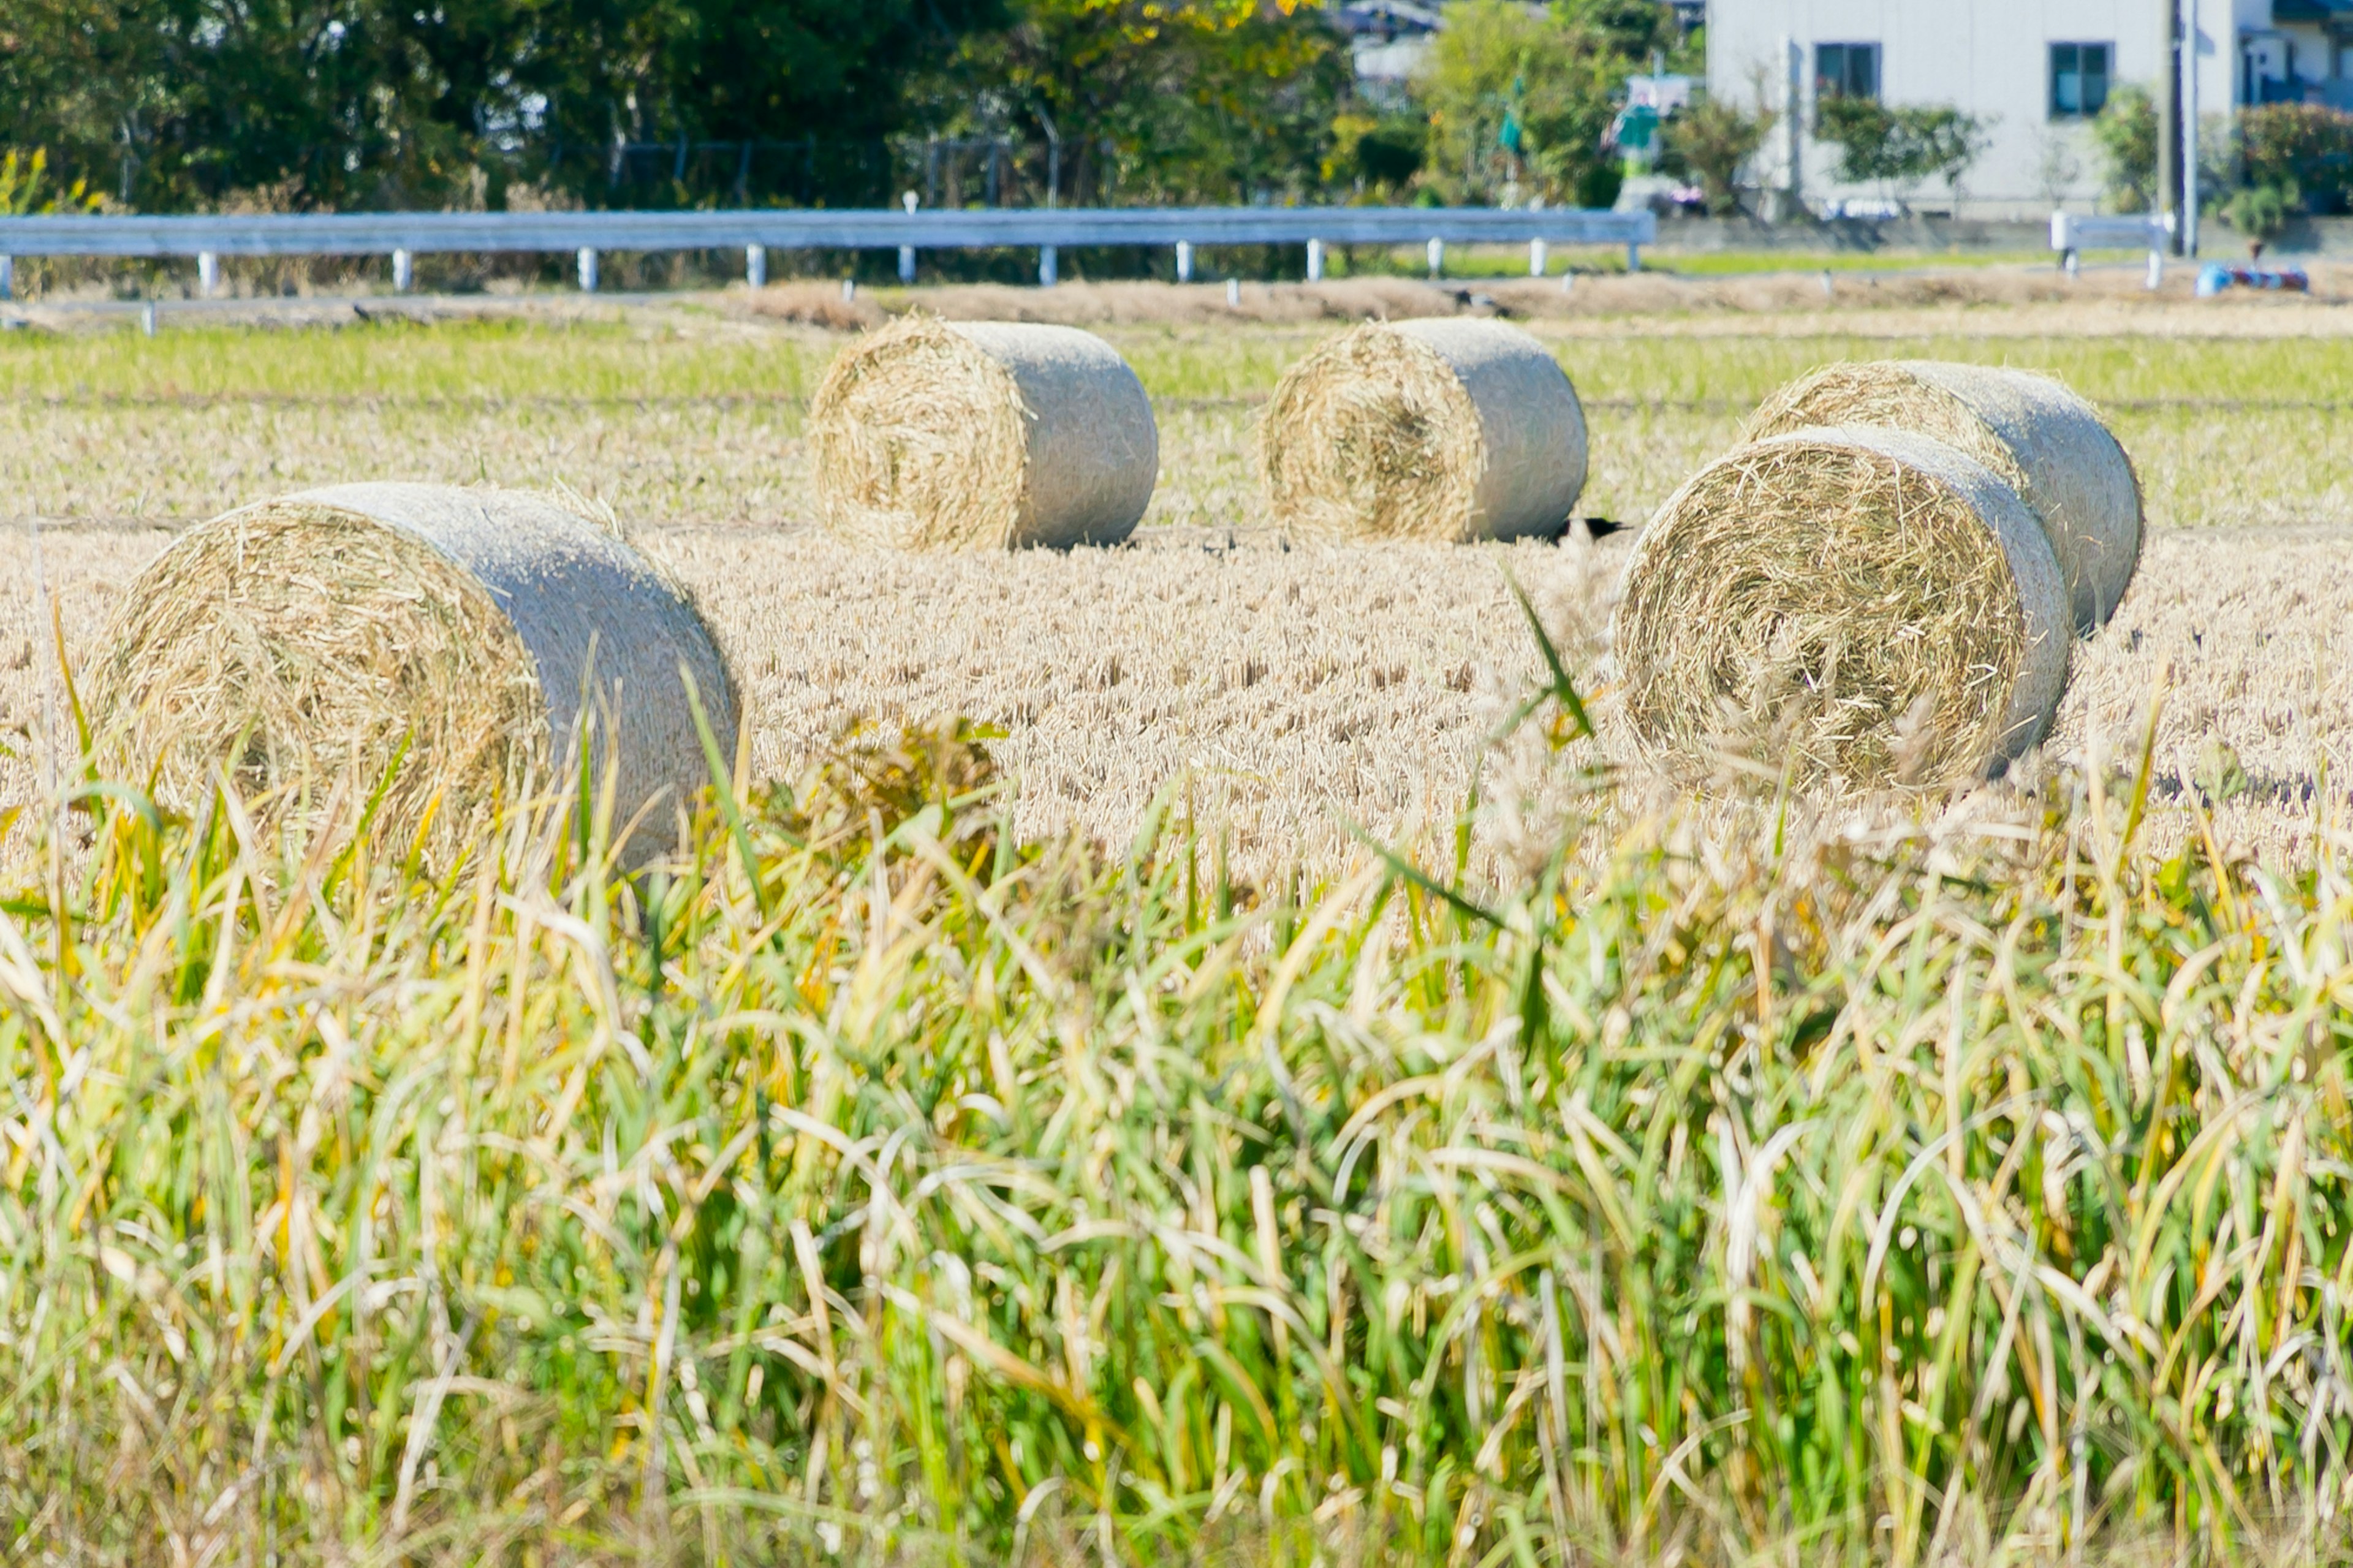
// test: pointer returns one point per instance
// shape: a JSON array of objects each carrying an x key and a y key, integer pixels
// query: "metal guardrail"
[
  {"x": 402, "y": 235},
  {"x": 2073, "y": 232}
]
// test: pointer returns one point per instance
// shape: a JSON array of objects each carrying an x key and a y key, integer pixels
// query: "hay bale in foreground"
[
  {"x": 2046, "y": 442},
  {"x": 1429, "y": 430},
  {"x": 1861, "y": 606},
  {"x": 980, "y": 435},
  {"x": 303, "y": 643}
]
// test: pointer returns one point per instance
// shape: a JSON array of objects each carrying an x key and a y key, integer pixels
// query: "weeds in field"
[{"x": 867, "y": 1184}]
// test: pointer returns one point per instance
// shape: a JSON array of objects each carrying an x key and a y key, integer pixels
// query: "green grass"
[
  {"x": 556, "y": 361},
  {"x": 395, "y": 360},
  {"x": 861, "y": 1182}
]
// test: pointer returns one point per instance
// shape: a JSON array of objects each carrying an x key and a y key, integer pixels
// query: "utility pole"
[
  {"x": 2190, "y": 132},
  {"x": 2167, "y": 197}
]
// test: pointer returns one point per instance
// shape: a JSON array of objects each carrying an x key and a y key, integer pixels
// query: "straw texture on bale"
[
  {"x": 2047, "y": 443},
  {"x": 479, "y": 635},
  {"x": 1427, "y": 430},
  {"x": 982, "y": 435},
  {"x": 1856, "y": 606}
]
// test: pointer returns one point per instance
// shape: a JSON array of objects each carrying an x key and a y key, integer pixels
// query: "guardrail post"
[
  {"x": 2063, "y": 235},
  {"x": 1315, "y": 261},
  {"x": 1436, "y": 253},
  {"x": 755, "y": 266},
  {"x": 1184, "y": 261},
  {"x": 147, "y": 318},
  {"x": 2156, "y": 268},
  {"x": 1049, "y": 270},
  {"x": 906, "y": 264},
  {"x": 1633, "y": 255},
  {"x": 587, "y": 260},
  {"x": 2074, "y": 263},
  {"x": 404, "y": 272},
  {"x": 7, "y": 277},
  {"x": 207, "y": 272},
  {"x": 1537, "y": 258}
]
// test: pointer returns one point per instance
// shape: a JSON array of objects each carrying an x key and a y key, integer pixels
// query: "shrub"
[
  {"x": 2125, "y": 133},
  {"x": 1899, "y": 147},
  {"x": 2306, "y": 146},
  {"x": 1708, "y": 142},
  {"x": 2260, "y": 212}
]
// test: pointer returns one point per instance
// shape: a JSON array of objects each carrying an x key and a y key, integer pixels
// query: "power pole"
[
  {"x": 2168, "y": 99},
  {"x": 2189, "y": 133}
]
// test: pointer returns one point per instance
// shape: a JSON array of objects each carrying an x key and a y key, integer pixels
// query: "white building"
[{"x": 2033, "y": 70}]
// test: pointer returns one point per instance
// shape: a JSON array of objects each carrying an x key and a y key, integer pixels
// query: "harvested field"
[
  {"x": 1299, "y": 689},
  {"x": 1935, "y": 1183}
]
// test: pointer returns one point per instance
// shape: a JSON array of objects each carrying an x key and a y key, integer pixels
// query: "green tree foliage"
[
  {"x": 1708, "y": 142},
  {"x": 2304, "y": 147},
  {"x": 1899, "y": 146},
  {"x": 2262, "y": 212},
  {"x": 1218, "y": 100},
  {"x": 1547, "y": 74},
  {"x": 2125, "y": 133},
  {"x": 351, "y": 103}
]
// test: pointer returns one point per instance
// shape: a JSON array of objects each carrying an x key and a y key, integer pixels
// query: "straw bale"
[
  {"x": 1427, "y": 430},
  {"x": 982, "y": 435},
  {"x": 482, "y": 636},
  {"x": 1855, "y": 606},
  {"x": 2047, "y": 443}
]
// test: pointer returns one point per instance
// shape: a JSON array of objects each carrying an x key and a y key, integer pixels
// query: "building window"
[
  {"x": 2079, "y": 79},
  {"x": 1846, "y": 70}
]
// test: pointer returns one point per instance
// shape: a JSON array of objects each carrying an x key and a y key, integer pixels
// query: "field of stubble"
[{"x": 1281, "y": 696}]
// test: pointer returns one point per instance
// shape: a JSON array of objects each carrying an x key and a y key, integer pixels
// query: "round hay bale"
[
  {"x": 478, "y": 636},
  {"x": 981, "y": 436},
  {"x": 1859, "y": 607},
  {"x": 1427, "y": 429},
  {"x": 2047, "y": 443}
]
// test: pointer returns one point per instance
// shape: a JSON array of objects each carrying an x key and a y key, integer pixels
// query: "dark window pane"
[
  {"x": 1863, "y": 70},
  {"x": 1830, "y": 70},
  {"x": 2079, "y": 78},
  {"x": 1846, "y": 70}
]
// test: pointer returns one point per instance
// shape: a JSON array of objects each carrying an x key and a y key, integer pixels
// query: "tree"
[
  {"x": 1521, "y": 96},
  {"x": 1189, "y": 99},
  {"x": 1898, "y": 147},
  {"x": 333, "y": 103},
  {"x": 2126, "y": 135},
  {"x": 1709, "y": 141}
]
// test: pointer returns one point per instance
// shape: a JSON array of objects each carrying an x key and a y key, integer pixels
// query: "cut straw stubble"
[
  {"x": 480, "y": 636},
  {"x": 1850, "y": 607}
]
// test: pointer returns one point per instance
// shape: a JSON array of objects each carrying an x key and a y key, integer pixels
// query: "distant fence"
[{"x": 402, "y": 235}]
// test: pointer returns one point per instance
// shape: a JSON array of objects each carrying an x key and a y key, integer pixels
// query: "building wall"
[{"x": 1989, "y": 57}]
